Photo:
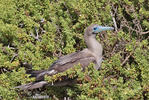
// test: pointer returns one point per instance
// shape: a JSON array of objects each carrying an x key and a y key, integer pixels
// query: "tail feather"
[
  {"x": 35, "y": 85},
  {"x": 32, "y": 85},
  {"x": 40, "y": 79}
]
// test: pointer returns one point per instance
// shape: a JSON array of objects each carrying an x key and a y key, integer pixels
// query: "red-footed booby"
[{"x": 93, "y": 53}]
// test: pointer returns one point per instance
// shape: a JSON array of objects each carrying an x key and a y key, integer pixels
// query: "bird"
[{"x": 93, "y": 53}]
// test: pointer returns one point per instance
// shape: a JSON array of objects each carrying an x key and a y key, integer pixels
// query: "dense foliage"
[{"x": 40, "y": 31}]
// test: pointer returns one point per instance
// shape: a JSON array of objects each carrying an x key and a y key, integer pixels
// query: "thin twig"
[
  {"x": 142, "y": 33},
  {"x": 11, "y": 47},
  {"x": 126, "y": 59},
  {"x": 13, "y": 57},
  {"x": 37, "y": 35},
  {"x": 114, "y": 21}
]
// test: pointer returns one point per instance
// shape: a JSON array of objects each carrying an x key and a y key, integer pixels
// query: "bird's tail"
[
  {"x": 35, "y": 85},
  {"x": 40, "y": 79},
  {"x": 32, "y": 85}
]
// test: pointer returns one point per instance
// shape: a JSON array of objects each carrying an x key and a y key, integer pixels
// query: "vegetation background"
[{"x": 40, "y": 31}]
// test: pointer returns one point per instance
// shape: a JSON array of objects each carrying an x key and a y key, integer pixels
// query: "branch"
[
  {"x": 11, "y": 47},
  {"x": 13, "y": 57},
  {"x": 126, "y": 59},
  {"x": 37, "y": 35},
  {"x": 142, "y": 33},
  {"x": 114, "y": 21}
]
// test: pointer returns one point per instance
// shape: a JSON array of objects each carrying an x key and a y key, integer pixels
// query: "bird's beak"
[{"x": 101, "y": 28}]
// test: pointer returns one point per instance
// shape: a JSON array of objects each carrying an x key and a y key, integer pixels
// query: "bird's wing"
[
  {"x": 84, "y": 58},
  {"x": 70, "y": 58}
]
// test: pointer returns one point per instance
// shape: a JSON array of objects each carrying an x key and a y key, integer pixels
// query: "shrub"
[{"x": 39, "y": 31}]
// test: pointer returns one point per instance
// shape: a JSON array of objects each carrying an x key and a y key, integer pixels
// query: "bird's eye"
[{"x": 95, "y": 28}]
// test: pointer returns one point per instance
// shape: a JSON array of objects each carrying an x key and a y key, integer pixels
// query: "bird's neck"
[{"x": 94, "y": 46}]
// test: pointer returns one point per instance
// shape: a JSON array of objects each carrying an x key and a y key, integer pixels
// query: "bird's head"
[{"x": 93, "y": 29}]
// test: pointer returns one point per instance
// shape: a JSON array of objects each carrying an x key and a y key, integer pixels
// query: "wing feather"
[
  {"x": 84, "y": 58},
  {"x": 71, "y": 58}
]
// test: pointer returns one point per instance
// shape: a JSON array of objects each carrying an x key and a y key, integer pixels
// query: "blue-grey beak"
[{"x": 101, "y": 28}]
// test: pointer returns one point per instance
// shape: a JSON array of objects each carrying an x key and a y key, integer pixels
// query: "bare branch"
[
  {"x": 13, "y": 57},
  {"x": 37, "y": 35},
  {"x": 11, "y": 47},
  {"x": 114, "y": 21},
  {"x": 142, "y": 33},
  {"x": 126, "y": 59}
]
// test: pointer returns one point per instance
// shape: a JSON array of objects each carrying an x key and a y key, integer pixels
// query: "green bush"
[{"x": 39, "y": 31}]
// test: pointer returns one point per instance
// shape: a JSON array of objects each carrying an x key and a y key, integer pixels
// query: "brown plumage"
[{"x": 91, "y": 54}]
